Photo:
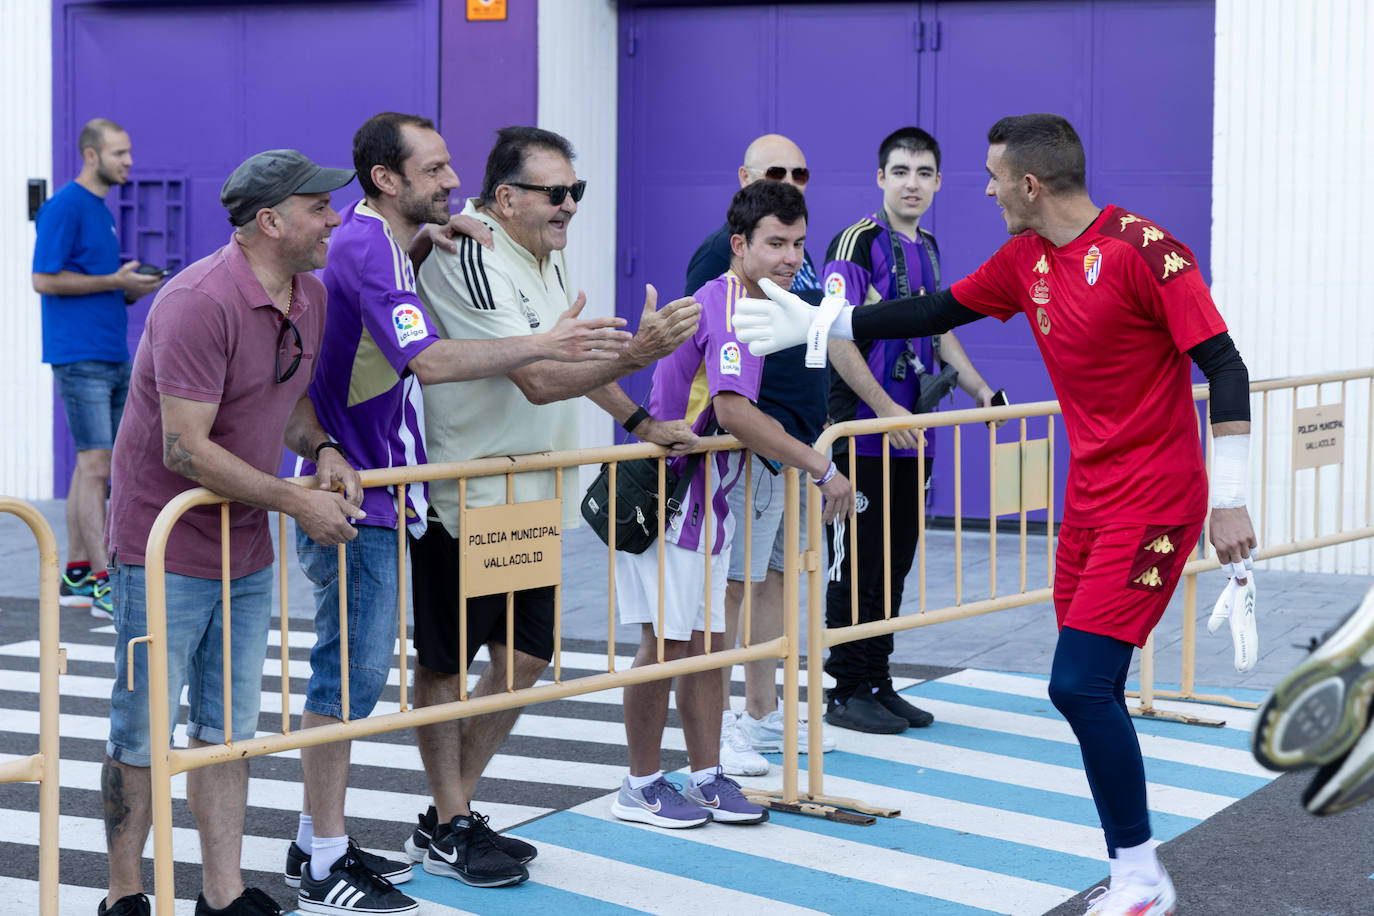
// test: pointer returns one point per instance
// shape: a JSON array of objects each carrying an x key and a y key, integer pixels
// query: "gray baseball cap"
[{"x": 270, "y": 177}]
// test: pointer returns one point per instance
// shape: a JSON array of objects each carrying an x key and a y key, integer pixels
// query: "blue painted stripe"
[
  {"x": 1059, "y": 753},
  {"x": 1044, "y": 709},
  {"x": 988, "y": 792},
  {"x": 793, "y": 884},
  {"x": 1244, "y": 694},
  {"x": 962, "y": 848},
  {"x": 520, "y": 900}
]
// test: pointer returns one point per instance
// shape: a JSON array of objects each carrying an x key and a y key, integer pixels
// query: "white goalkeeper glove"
[
  {"x": 784, "y": 320},
  {"x": 1237, "y": 603}
]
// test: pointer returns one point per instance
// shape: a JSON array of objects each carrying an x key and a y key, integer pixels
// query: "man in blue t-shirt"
[
  {"x": 76, "y": 270},
  {"x": 796, "y": 398}
]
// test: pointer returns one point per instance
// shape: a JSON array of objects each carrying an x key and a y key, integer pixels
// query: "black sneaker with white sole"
[
  {"x": 465, "y": 849},
  {"x": 297, "y": 859},
  {"x": 351, "y": 887},
  {"x": 417, "y": 844}
]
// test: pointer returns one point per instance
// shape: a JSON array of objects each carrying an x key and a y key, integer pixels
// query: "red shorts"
[{"x": 1117, "y": 579}]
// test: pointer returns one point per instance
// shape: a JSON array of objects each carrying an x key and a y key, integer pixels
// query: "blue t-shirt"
[
  {"x": 792, "y": 394},
  {"x": 76, "y": 232}
]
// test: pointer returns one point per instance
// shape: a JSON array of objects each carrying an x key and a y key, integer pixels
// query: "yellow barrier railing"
[{"x": 42, "y": 767}]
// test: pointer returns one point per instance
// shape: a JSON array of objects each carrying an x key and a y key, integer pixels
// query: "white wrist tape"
[
  {"x": 819, "y": 333},
  {"x": 1230, "y": 471}
]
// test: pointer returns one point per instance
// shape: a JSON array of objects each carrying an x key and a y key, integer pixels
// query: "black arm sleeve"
[
  {"x": 1227, "y": 378},
  {"x": 919, "y": 316}
]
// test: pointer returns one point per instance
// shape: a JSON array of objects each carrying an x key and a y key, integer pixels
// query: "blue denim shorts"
[
  {"x": 93, "y": 395},
  {"x": 373, "y": 588},
  {"x": 195, "y": 657}
]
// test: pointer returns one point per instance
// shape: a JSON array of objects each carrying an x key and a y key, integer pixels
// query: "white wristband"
[
  {"x": 1230, "y": 471},
  {"x": 819, "y": 333}
]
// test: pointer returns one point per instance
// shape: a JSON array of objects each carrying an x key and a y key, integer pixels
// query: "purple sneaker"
[
  {"x": 722, "y": 797},
  {"x": 659, "y": 804}
]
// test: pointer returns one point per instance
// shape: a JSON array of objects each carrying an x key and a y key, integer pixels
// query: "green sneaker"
[
  {"x": 102, "y": 606},
  {"x": 76, "y": 592}
]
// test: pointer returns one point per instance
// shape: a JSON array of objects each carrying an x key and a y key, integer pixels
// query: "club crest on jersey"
[
  {"x": 729, "y": 359},
  {"x": 834, "y": 285},
  {"x": 1042, "y": 321},
  {"x": 1092, "y": 265},
  {"x": 1040, "y": 292},
  {"x": 409, "y": 322},
  {"x": 860, "y": 501}
]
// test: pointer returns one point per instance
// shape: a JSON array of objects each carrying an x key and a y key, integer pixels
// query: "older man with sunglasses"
[
  {"x": 211, "y": 400},
  {"x": 795, "y": 398}
]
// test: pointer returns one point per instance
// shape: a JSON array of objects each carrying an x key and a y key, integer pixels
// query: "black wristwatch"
[
  {"x": 334, "y": 445},
  {"x": 636, "y": 418}
]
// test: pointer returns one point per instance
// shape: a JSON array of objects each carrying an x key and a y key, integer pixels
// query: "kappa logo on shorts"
[
  {"x": 409, "y": 322},
  {"x": 834, "y": 285},
  {"x": 729, "y": 359},
  {"x": 1149, "y": 578},
  {"x": 1161, "y": 544},
  {"x": 1158, "y": 557},
  {"x": 1092, "y": 265}
]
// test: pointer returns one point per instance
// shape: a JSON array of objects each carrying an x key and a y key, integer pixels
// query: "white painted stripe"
[
  {"x": 902, "y": 871},
  {"x": 1018, "y": 771},
  {"x": 1176, "y": 750},
  {"x": 627, "y": 885},
  {"x": 21, "y": 896},
  {"x": 979, "y": 820}
]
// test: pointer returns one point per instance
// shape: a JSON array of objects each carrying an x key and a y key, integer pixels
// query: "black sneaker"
[
  {"x": 465, "y": 849},
  {"x": 897, "y": 704},
  {"x": 861, "y": 712},
  {"x": 252, "y": 902},
  {"x": 131, "y": 905},
  {"x": 417, "y": 844},
  {"x": 351, "y": 887},
  {"x": 391, "y": 870}
]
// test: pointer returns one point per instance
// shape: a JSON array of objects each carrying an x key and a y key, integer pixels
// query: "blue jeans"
[
  {"x": 93, "y": 394},
  {"x": 195, "y": 657},
  {"x": 373, "y": 588}
]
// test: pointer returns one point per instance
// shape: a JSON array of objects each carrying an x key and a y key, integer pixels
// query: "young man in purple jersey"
[
  {"x": 715, "y": 376},
  {"x": 379, "y": 347}
]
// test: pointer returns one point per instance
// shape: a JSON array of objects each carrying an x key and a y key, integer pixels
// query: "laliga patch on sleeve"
[
  {"x": 409, "y": 322},
  {"x": 729, "y": 359},
  {"x": 834, "y": 285}
]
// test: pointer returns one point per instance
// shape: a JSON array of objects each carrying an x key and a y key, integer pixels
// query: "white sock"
[
  {"x": 325, "y": 851},
  {"x": 305, "y": 833},
  {"x": 1139, "y": 860},
  {"x": 702, "y": 777},
  {"x": 639, "y": 782},
  {"x": 1116, "y": 871}
]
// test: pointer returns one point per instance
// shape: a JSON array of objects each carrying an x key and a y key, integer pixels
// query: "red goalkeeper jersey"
[{"x": 1115, "y": 311}]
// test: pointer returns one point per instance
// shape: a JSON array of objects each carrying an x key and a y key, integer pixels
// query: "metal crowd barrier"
[
  {"x": 42, "y": 767},
  {"x": 169, "y": 761}
]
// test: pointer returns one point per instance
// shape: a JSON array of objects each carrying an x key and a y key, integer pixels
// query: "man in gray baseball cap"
[
  {"x": 235, "y": 338},
  {"x": 270, "y": 177}
]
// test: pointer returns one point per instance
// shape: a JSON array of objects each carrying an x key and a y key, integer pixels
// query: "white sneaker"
[
  {"x": 1134, "y": 896},
  {"x": 737, "y": 758},
  {"x": 765, "y": 735}
]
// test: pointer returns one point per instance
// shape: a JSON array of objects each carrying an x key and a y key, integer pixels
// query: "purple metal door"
[
  {"x": 839, "y": 77},
  {"x": 200, "y": 87}
]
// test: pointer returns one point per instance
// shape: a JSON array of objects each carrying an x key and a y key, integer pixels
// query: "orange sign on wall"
[{"x": 486, "y": 10}]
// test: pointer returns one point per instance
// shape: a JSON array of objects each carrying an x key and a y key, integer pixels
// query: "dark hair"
[
  {"x": 92, "y": 136},
  {"x": 911, "y": 139},
  {"x": 1043, "y": 145},
  {"x": 506, "y": 161},
  {"x": 764, "y": 198},
  {"x": 379, "y": 142}
]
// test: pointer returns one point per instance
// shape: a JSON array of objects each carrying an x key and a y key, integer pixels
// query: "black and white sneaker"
[
  {"x": 465, "y": 848},
  {"x": 297, "y": 859},
  {"x": 417, "y": 844},
  {"x": 351, "y": 887}
]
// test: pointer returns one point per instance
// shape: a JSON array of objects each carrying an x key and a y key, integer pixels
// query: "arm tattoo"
[
  {"x": 112, "y": 795},
  {"x": 177, "y": 457}
]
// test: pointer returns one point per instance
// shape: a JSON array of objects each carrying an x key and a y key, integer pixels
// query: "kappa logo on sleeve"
[
  {"x": 834, "y": 285},
  {"x": 729, "y": 359},
  {"x": 409, "y": 322}
]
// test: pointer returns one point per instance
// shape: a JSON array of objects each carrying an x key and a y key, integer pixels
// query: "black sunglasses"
[
  {"x": 556, "y": 192},
  {"x": 777, "y": 173},
  {"x": 300, "y": 350}
]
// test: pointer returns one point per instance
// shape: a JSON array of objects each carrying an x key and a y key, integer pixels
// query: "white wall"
[
  {"x": 1291, "y": 234},
  {"x": 26, "y": 463},
  {"x": 578, "y": 98}
]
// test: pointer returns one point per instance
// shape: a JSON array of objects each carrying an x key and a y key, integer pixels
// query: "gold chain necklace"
[{"x": 290, "y": 291}]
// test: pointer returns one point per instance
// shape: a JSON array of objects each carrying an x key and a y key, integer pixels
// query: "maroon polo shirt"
[{"x": 211, "y": 336}]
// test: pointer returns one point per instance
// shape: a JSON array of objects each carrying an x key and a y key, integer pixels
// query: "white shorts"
[{"x": 684, "y": 589}]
